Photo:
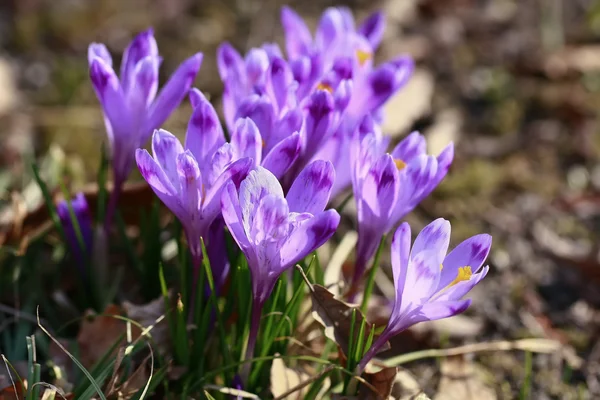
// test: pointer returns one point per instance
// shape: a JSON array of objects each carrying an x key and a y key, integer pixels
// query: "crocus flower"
[
  {"x": 389, "y": 186},
  {"x": 80, "y": 249},
  {"x": 275, "y": 231},
  {"x": 429, "y": 283},
  {"x": 132, "y": 110},
  {"x": 183, "y": 178}
]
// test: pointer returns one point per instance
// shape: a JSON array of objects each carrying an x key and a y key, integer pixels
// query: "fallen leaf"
[
  {"x": 461, "y": 380},
  {"x": 18, "y": 228},
  {"x": 336, "y": 317},
  {"x": 98, "y": 333},
  {"x": 283, "y": 379},
  {"x": 405, "y": 386},
  {"x": 152, "y": 316},
  {"x": 380, "y": 384}
]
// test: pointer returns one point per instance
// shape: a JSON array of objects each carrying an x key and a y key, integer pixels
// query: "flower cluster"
[{"x": 303, "y": 127}]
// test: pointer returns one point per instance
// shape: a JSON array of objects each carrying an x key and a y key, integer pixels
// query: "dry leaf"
[
  {"x": 99, "y": 333},
  {"x": 17, "y": 228},
  {"x": 405, "y": 386},
  {"x": 461, "y": 380},
  {"x": 380, "y": 382},
  {"x": 283, "y": 379},
  {"x": 152, "y": 315},
  {"x": 336, "y": 317}
]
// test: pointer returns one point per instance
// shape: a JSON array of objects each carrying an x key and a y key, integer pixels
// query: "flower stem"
[
  {"x": 197, "y": 256},
  {"x": 257, "y": 307},
  {"x": 375, "y": 347},
  {"x": 113, "y": 202}
]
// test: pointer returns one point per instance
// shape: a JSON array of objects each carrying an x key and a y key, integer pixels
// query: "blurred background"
[{"x": 514, "y": 83}]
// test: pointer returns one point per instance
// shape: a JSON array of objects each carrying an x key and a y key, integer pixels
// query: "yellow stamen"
[
  {"x": 325, "y": 86},
  {"x": 441, "y": 267},
  {"x": 264, "y": 144},
  {"x": 400, "y": 164},
  {"x": 363, "y": 56},
  {"x": 464, "y": 274}
]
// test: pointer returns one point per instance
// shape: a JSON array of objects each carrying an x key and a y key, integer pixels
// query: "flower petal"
[
  {"x": 270, "y": 221},
  {"x": 232, "y": 71},
  {"x": 460, "y": 289},
  {"x": 190, "y": 181},
  {"x": 204, "y": 133},
  {"x": 235, "y": 172},
  {"x": 174, "y": 91},
  {"x": 422, "y": 278},
  {"x": 108, "y": 89},
  {"x": 283, "y": 155},
  {"x": 261, "y": 111},
  {"x": 298, "y": 39},
  {"x": 257, "y": 65},
  {"x": 232, "y": 214},
  {"x": 469, "y": 253},
  {"x": 400, "y": 255},
  {"x": 166, "y": 148},
  {"x": 434, "y": 238},
  {"x": 99, "y": 50},
  {"x": 310, "y": 191},
  {"x": 441, "y": 309},
  {"x": 373, "y": 27},
  {"x": 246, "y": 140},
  {"x": 290, "y": 123},
  {"x": 332, "y": 25},
  {"x": 219, "y": 162},
  {"x": 410, "y": 147},
  {"x": 379, "y": 190},
  {"x": 308, "y": 236},
  {"x": 319, "y": 121},
  {"x": 258, "y": 184},
  {"x": 142, "y": 46},
  {"x": 157, "y": 179},
  {"x": 144, "y": 86},
  {"x": 281, "y": 79}
]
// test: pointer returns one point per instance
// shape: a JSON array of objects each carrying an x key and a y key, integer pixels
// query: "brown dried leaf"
[
  {"x": 336, "y": 317},
  {"x": 380, "y": 384},
  {"x": 152, "y": 315},
  {"x": 461, "y": 380},
  {"x": 98, "y": 334},
  {"x": 17, "y": 228},
  {"x": 283, "y": 379}
]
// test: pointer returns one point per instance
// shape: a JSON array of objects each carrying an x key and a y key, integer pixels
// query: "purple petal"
[
  {"x": 298, "y": 39},
  {"x": 142, "y": 46},
  {"x": 379, "y": 86},
  {"x": 287, "y": 125},
  {"x": 258, "y": 184},
  {"x": 219, "y": 161},
  {"x": 191, "y": 185},
  {"x": 422, "y": 278},
  {"x": 319, "y": 120},
  {"x": 283, "y": 155},
  {"x": 460, "y": 289},
  {"x": 235, "y": 172},
  {"x": 310, "y": 190},
  {"x": 410, "y": 147},
  {"x": 400, "y": 254},
  {"x": 309, "y": 236},
  {"x": 444, "y": 161},
  {"x": 343, "y": 94},
  {"x": 270, "y": 220},
  {"x": 281, "y": 80},
  {"x": 257, "y": 65},
  {"x": 145, "y": 84},
  {"x": 173, "y": 92},
  {"x": 273, "y": 50},
  {"x": 331, "y": 27},
  {"x": 99, "y": 50},
  {"x": 379, "y": 190},
  {"x": 204, "y": 133},
  {"x": 441, "y": 309},
  {"x": 434, "y": 238},
  {"x": 372, "y": 28},
  {"x": 232, "y": 214},
  {"x": 246, "y": 140},
  {"x": 166, "y": 148},
  {"x": 232, "y": 71},
  {"x": 157, "y": 179},
  {"x": 470, "y": 253},
  {"x": 260, "y": 110}
]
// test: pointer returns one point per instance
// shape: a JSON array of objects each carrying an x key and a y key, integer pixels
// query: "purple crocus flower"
[
  {"x": 275, "y": 231},
  {"x": 183, "y": 178},
  {"x": 132, "y": 110},
  {"x": 389, "y": 186},
  {"x": 429, "y": 283},
  {"x": 80, "y": 250}
]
